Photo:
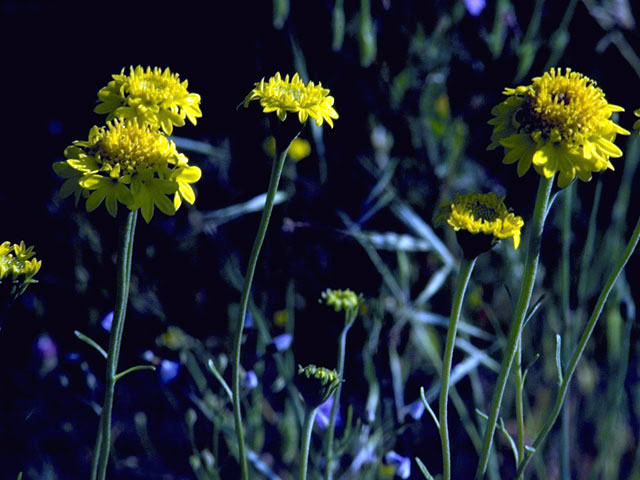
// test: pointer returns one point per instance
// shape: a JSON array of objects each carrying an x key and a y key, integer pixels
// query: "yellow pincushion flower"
[
  {"x": 292, "y": 95},
  {"x": 150, "y": 96},
  {"x": 341, "y": 299},
  {"x": 561, "y": 122},
  {"x": 484, "y": 213},
  {"x": 129, "y": 163},
  {"x": 16, "y": 260}
]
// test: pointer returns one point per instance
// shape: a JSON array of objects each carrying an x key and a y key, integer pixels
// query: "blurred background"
[{"x": 414, "y": 83}]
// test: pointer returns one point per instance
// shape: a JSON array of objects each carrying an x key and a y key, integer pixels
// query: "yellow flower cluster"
[
  {"x": 292, "y": 95},
  {"x": 341, "y": 299},
  {"x": 130, "y": 160},
  {"x": 484, "y": 213},
  {"x": 16, "y": 260},
  {"x": 560, "y": 123}
]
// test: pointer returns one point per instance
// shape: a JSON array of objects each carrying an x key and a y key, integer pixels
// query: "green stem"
[
  {"x": 577, "y": 354},
  {"x": 350, "y": 316},
  {"x": 276, "y": 171},
  {"x": 309, "y": 417},
  {"x": 528, "y": 279},
  {"x": 103, "y": 439},
  {"x": 565, "y": 452},
  {"x": 519, "y": 402},
  {"x": 466, "y": 267}
]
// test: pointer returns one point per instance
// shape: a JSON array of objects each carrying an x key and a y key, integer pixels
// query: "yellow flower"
[
  {"x": 17, "y": 260},
  {"x": 484, "y": 213},
  {"x": 298, "y": 149},
  {"x": 151, "y": 96},
  {"x": 561, "y": 122},
  {"x": 341, "y": 299},
  {"x": 129, "y": 163},
  {"x": 317, "y": 384},
  {"x": 636, "y": 125},
  {"x": 292, "y": 95}
]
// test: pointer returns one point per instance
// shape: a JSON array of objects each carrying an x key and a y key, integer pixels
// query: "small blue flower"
[
  {"x": 365, "y": 455},
  {"x": 250, "y": 380},
  {"x": 402, "y": 464},
  {"x": 282, "y": 342},
  {"x": 107, "y": 321},
  {"x": 168, "y": 371},
  {"x": 416, "y": 409},
  {"x": 475, "y": 7},
  {"x": 248, "y": 320}
]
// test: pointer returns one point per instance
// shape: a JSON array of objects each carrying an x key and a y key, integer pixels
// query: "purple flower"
[
  {"x": 475, "y": 7},
  {"x": 168, "y": 371},
  {"x": 324, "y": 414},
  {"x": 402, "y": 464},
  {"x": 107, "y": 321}
]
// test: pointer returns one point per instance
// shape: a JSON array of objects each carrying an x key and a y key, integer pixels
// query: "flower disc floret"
[
  {"x": 341, "y": 299},
  {"x": 484, "y": 213},
  {"x": 150, "y": 96},
  {"x": 560, "y": 123},
  {"x": 18, "y": 263},
  {"x": 130, "y": 163},
  {"x": 292, "y": 95}
]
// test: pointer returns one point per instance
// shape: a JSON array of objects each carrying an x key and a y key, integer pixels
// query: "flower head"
[
  {"x": 342, "y": 299},
  {"x": 292, "y": 95},
  {"x": 16, "y": 260},
  {"x": 561, "y": 122},
  {"x": 18, "y": 266},
  {"x": 150, "y": 96},
  {"x": 317, "y": 384},
  {"x": 636, "y": 125},
  {"x": 130, "y": 163},
  {"x": 482, "y": 213}
]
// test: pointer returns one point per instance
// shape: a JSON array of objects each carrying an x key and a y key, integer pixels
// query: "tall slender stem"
[
  {"x": 466, "y": 267},
  {"x": 309, "y": 417},
  {"x": 565, "y": 455},
  {"x": 584, "y": 339},
  {"x": 342, "y": 344},
  {"x": 103, "y": 438},
  {"x": 276, "y": 172},
  {"x": 528, "y": 279},
  {"x": 519, "y": 402}
]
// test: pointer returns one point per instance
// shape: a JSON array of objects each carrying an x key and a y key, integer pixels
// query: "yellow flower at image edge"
[
  {"x": 560, "y": 123},
  {"x": 636, "y": 125},
  {"x": 125, "y": 162},
  {"x": 484, "y": 213},
  {"x": 292, "y": 95},
  {"x": 150, "y": 96},
  {"x": 17, "y": 260}
]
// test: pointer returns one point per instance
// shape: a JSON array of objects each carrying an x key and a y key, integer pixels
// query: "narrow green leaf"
[
  {"x": 134, "y": 369},
  {"x": 90, "y": 342},
  {"x": 558, "y": 356},
  {"x": 423, "y": 469}
]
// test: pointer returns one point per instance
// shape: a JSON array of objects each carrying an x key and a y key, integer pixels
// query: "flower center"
[
  {"x": 131, "y": 146},
  {"x": 482, "y": 211},
  {"x": 567, "y": 107},
  {"x": 153, "y": 87}
]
